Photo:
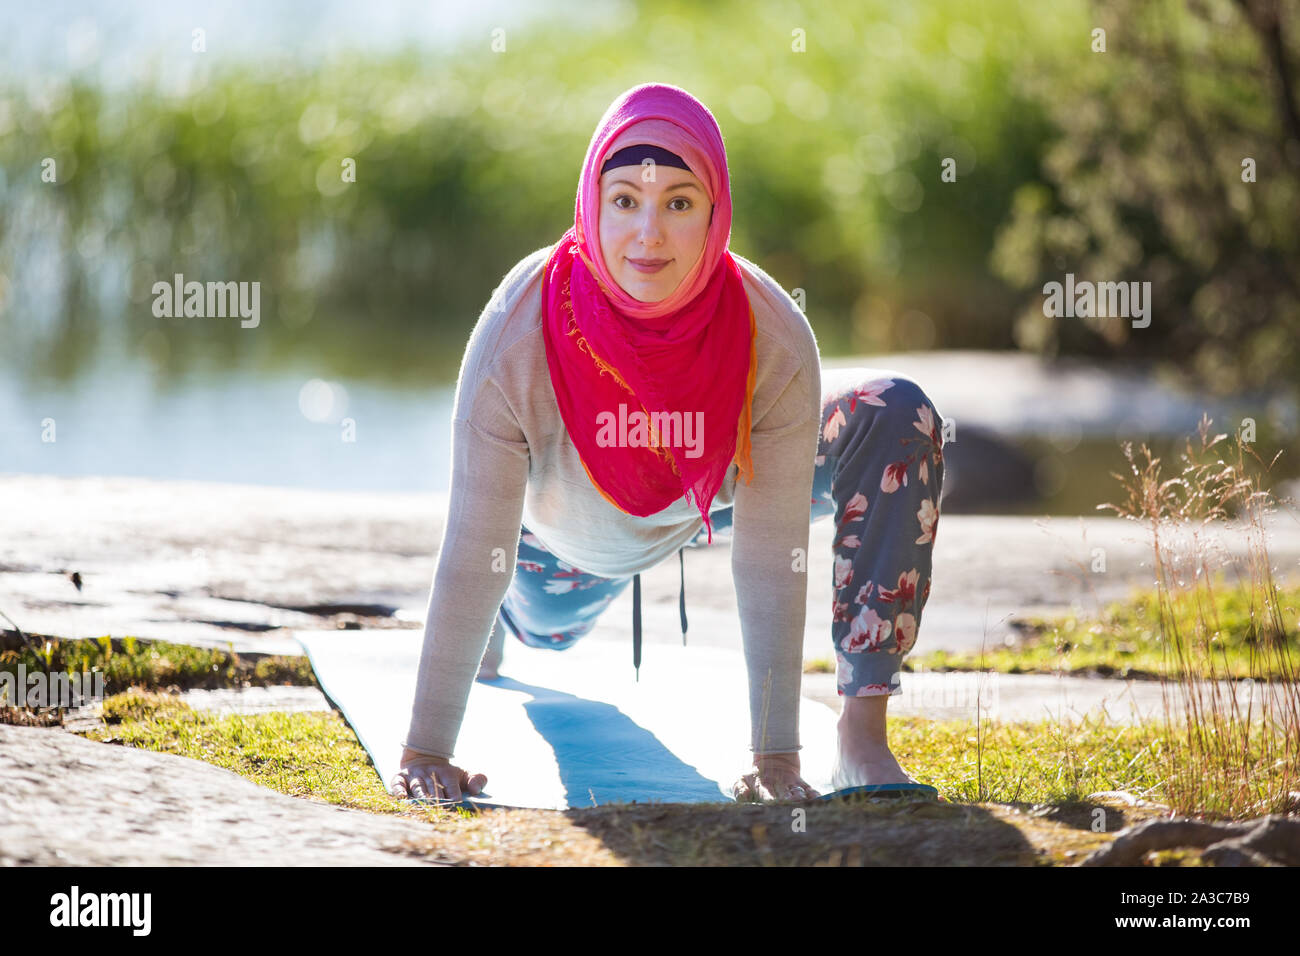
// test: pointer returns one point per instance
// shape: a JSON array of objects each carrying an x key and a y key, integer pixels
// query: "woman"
[{"x": 629, "y": 391}]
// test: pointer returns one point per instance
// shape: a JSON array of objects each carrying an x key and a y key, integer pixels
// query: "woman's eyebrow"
[{"x": 628, "y": 182}]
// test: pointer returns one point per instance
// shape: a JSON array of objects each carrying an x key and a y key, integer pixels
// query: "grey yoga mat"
[{"x": 571, "y": 728}]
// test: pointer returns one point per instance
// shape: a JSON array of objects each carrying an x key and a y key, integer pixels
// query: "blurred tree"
[{"x": 1178, "y": 163}]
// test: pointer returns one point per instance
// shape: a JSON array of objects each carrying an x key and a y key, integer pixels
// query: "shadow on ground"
[{"x": 862, "y": 833}]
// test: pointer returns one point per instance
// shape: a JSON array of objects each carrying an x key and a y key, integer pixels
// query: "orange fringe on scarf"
[{"x": 742, "y": 458}]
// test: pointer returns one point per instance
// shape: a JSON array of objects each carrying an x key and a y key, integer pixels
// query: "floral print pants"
[{"x": 878, "y": 472}]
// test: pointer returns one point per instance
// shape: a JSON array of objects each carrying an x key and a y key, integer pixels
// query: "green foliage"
[
  {"x": 466, "y": 162},
  {"x": 143, "y": 706},
  {"x": 1118, "y": 166},
  {"x": 1145, "y": 183},
  {"x": 154, "y": 665}
]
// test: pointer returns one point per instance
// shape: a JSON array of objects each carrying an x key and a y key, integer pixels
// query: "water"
[
  {"x": 1049, "y": 438},
  {"x": 240, "y": 426}
]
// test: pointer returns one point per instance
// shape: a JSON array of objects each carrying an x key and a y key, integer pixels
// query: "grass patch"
[
  {"x": 313, "y": 754},
  {"x": 1127, "y": 640},
  {"x": 143, "y": 706},
  {"x": 152, "y": 665}
]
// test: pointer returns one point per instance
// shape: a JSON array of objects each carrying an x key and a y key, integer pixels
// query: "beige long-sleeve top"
[{"x": 512, "y": 460}]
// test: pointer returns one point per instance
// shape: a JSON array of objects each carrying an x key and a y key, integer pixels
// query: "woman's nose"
[{"x": 651, "y": 230}]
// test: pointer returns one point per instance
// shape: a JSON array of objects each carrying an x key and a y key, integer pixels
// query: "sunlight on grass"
[
  {"x": 1127, "y": 640},
  {"x": 1211, "y": 763},
  {"x": 136, "y": 662},
  {"x": 302, "y": 754}
]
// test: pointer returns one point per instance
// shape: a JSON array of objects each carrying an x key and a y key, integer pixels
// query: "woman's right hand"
[{"x": 423, "y": 776}]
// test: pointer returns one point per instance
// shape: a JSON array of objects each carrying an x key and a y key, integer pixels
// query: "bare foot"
[{"x": 860, "y": 764}]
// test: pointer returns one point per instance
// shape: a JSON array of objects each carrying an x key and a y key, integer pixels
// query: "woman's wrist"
[{"x": 410, "y": 754}]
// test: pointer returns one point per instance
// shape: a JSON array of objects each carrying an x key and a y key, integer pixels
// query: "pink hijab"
[{"x": 692, "y": 353}]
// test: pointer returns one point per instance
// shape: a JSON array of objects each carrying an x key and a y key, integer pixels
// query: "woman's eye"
[{"x": 680, "y": 199}]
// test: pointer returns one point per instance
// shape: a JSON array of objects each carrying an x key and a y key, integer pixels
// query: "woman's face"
[{"x": 665, "y": 222}]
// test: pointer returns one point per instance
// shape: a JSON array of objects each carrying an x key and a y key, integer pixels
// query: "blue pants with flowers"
[{"x": 878, "y": 472}]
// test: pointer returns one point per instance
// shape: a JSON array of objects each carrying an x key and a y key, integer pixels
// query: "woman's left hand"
[{"x": 774, "y": 777}]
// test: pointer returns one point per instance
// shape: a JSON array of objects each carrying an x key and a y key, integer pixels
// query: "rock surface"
[
  {"x": 245, "y": 565},
  {"x": 68, "y": 801}
]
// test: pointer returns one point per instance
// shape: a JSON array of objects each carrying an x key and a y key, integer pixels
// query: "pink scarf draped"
[{"x": 692, "y": 354}]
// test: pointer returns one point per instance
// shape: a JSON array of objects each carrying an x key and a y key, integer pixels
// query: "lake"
[{"x": 1030, "y": 436}]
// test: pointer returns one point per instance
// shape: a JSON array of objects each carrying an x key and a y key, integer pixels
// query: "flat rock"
[
  {"x": 276, "y": 698},
  {"x": 68, "y": 801},
  {"x": 245, "y": 566},
  {"x": 1058, "y": 698},
  {"x": 208, "y": 564}
]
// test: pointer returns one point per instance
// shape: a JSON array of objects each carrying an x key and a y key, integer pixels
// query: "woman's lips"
[{"x": 639, "y": 267}]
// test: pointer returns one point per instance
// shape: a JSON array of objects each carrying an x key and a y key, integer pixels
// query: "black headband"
[{"x": 633, "y": 155}]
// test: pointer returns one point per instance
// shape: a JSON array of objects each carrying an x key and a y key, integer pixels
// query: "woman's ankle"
[{"x": 863, "y": 718}]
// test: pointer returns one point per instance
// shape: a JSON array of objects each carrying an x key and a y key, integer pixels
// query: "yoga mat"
[{"x": 572, "y": 728}]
